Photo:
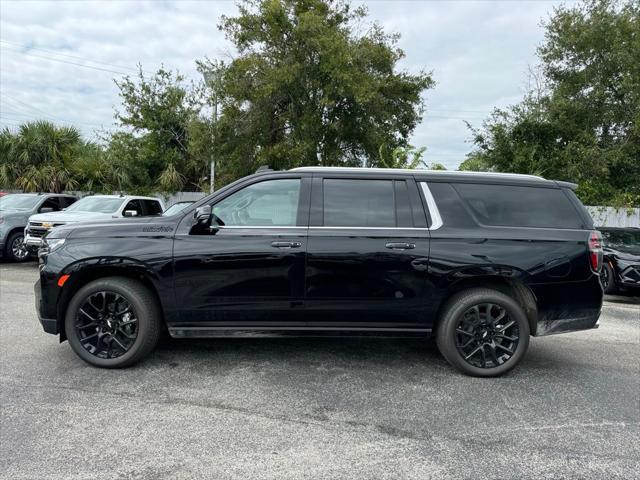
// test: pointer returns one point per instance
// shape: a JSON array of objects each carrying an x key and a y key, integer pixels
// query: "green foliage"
[
  {"x": 401, "y": 157},
  {"x": 163, "y": 142},
  {"x": 307, "y": 88},
  {"x": 581, "y": 122}
]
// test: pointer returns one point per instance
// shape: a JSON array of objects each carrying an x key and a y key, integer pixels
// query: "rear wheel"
[
  {"x": 15, "y": 249},
  {"x": 483, "y": 332},
  {"x": 113, "y": 322}
]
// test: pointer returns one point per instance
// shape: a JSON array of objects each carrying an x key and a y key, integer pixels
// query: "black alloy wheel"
[
  {"x": 106, "y": 324},
  {"x": 486, "y": 337},
  {"x": 483, "y": 332},
  {"x": 113, "y": 322}
]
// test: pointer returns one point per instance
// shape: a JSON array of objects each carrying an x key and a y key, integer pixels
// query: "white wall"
[{"x": 615, "y": 217}]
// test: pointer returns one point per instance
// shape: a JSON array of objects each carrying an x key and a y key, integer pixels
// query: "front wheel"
[
  {"x": 607, "y": 280},
  {"x": 113, "y": 322},
  {"x": 483, "y": 332},
  {"x": 16, "y": 250}
]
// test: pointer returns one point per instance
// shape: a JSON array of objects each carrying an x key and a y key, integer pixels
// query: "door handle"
[
  {"x": 286, "y": 244},
  {"x": 400, "y": 245}
]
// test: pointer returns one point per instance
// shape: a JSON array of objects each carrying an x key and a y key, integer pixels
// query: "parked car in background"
[
  {"x": 15, "y": 210},
  {"x": 480, "y": 261},
  {"x": 91, "y": 208},
  {"x": 177, "y": 208},
  {"x": 621, "y": 267}
]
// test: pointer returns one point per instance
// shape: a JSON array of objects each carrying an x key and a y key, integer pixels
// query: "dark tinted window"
[
  {"x": 152, "y": 207},
  {"x": 52, "y": 203},
  {"x": 133, "y": 205},
  {"x": 512, "y": 206},
  {"x": 359, "y": 203},
  {"x": 621, "y": 238},
  {"x": 66, "y": 201}
]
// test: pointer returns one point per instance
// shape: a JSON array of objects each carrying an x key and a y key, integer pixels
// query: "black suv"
[{"x": 480, "y": 261}]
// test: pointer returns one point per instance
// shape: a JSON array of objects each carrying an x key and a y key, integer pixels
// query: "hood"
[
  {"x": 14, "y": 215},
  {"x": 624, "y": 252},
  {"x": 118, "y": 227},
  {"x": 69, "y": 217}
]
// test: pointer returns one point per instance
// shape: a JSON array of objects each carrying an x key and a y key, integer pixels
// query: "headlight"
[{"x": 51, "y": 244}]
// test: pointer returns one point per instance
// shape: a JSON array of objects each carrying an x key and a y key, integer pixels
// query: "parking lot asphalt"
[{"x": 316, "y": 408}]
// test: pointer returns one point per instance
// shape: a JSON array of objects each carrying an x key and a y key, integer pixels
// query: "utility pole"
[{"x": 210, "y": 80}]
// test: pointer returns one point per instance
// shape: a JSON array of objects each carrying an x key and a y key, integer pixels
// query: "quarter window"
[
  {"x": 514, "y": 206},
  {"x": 268, "y": 203},
  {"x": 358, "y": 203}
]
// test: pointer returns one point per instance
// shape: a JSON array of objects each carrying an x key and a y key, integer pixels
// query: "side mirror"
[
  {"x": 130, "y": 213},
  {"x": 203, "y": 214},
  {"x": 46, "y": 210}
]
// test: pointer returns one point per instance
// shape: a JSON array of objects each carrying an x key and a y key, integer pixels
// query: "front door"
[
  {"x": 367, "y": 254},
  {"x": 246, "y": 268}
]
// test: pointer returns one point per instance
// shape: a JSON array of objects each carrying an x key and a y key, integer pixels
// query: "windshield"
[
  {"x": 19, "y": 202},
  {"x": 621, "y": 238},
  {"x": 96, "y": 205},
  {"x": 176, "y": 208}
]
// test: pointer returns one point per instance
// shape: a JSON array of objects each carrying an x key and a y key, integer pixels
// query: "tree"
[
  {"x": 39, "y": 157},
  {"x": 162, "y": 118},
  {"x": 582, "y": 123},
  {"x": 401, "y": 157},
  {"x": 307, "y": 88}
]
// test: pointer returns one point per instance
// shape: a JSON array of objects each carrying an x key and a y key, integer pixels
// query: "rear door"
[{"x": 367, "y": 253}]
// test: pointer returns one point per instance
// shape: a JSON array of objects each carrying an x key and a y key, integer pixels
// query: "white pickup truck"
[{"x": 88, "y": 209}]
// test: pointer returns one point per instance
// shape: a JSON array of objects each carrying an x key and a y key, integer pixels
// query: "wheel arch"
[
  {"x": 511, "y": 286},
  {"x": 85, "y": 272}
]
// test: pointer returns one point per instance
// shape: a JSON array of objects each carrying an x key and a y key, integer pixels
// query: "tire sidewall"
[
  {"x": 140, "y": 308},
  {"x": 9, "y": 248},
  {"x": 611, "y": 286},
  {"x": 447, "y": 337}
]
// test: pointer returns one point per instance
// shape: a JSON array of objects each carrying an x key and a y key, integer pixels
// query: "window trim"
[{"x": 436, "y": 218}]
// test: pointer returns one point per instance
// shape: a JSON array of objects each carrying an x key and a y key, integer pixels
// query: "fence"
[{"x": 615, "y": 217}]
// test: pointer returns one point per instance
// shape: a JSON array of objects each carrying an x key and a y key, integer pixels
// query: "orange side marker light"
[{"x": 62, "y": 280}]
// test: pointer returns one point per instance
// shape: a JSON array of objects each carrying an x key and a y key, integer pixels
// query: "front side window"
[
  {"x": 52, "y": 203},
  {"x": 358, "y": 203},
  {"x": 264, "y": 204},
  {"x": 152, "y": 207}
]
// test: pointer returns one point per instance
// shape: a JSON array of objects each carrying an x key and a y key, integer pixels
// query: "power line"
[
  {"x": 69, "y": 62},
  {"x": 77, "y": 57},
  {"x": 43, "y": 113}
]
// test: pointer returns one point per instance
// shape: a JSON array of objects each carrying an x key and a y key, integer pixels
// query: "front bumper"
[
  {"x": 49, "y": 325},
  {"x": 33, "y": 243}
]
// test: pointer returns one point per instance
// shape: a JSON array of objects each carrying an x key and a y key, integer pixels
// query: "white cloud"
[{"x": 478, "y": 53}]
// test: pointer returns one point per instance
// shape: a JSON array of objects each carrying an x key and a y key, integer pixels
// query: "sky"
[{"x": 58, "y": 59}]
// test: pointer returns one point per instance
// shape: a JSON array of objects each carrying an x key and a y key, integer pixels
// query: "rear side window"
[
  {"x": 359, "y": 203},
  {"x": 515, "y": 206}
]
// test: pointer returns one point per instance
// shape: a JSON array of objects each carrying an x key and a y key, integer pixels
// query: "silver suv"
[
  {"x": 15, "y": 210},
  {"x": 90, "y": 208}
]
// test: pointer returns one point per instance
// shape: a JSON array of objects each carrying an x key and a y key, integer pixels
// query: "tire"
[
  {"x": 144, "y": 313},
  {"x": 607, "y": 279},
  {"x": 459, "y": 325},
  {"x": 15, "y": 240}
]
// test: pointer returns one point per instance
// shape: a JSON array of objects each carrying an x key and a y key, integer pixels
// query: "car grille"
[
  {"x": 40, "y": 229},
  {"x": 631, "y": 274}
]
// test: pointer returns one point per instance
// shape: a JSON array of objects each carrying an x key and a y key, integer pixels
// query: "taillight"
[{"x": 595, "y": 250}]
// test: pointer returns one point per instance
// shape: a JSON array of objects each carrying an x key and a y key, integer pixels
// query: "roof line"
[{"x": 415, "y": 171}]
